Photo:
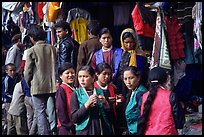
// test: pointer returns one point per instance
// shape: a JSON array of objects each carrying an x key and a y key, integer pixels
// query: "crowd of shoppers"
[{"x": 88, "y": 89}]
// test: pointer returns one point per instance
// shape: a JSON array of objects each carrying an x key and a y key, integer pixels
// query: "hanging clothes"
[
  {"x": 40, "y": 12},
  {"x": 160, "y": 53},
  {"x": 27, "y": 16},
  {"x": 175, "y": 38},
  {"x": 78, "y": 13},
  {"x": 78, "y": 19},
  {"x": 199, "y": 23},
  {"x": 53, "y": 11},
  {"x": 10, "y": 6},
  {"x": 79, "y": 29},
  {"x": 184, "y": 11},
  {"x": 197, "y": 16},
  {"x": 144, "y": 23},
  {"x": 141, "y": 28},
  {"x": 121, "y": 13}
]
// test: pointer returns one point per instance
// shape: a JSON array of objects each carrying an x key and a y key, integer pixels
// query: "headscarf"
[{"x": 132, "y": 52}]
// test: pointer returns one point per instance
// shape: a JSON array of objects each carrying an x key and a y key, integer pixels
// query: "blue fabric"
[
  {"x": 184, "y": 87},
  {"x": 165, "y": 6},
  {"x": 11, "y": 84},
  {"x": 25, "y": 88},
  {"x": 140, "y": 61},
  {"x": 132, "y": 111},
  {"x": 3, "y": 90},
  {"x": 117, "y": 54},
  {"x": 49, "y": 37}
]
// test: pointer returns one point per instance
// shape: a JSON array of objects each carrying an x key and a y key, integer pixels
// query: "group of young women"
[{"x": 98, "y": 107}]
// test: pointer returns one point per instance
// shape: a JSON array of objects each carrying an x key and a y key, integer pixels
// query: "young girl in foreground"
[
  {"x": 89, "y": 106},
  {"x": 131, "y": 76},
  {"x": 104, "y": 77},
  {"x": 161, "y": 113},
  {"x": 67, "y": 75}
]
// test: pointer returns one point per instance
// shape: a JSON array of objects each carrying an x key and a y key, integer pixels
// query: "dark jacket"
[
  {"x": 8, "y": 84},
  {"x": 68, "y": 51},
  {"x": 87, "y": 50}
]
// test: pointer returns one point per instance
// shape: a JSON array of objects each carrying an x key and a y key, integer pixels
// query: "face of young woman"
[
  {"x": 61, "y": 33},
  {"x": 68, "y": 76},
  {"x": 130, "y": 80},
  {"x": 129, "y": 43},
  {"x": 106, "y": 40},
  {"x": 85, "y": 79},
  {"x": 104, "y": 77}
]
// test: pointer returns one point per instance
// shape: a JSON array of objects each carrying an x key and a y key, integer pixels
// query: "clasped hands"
[{"x": 92, "y": 101}]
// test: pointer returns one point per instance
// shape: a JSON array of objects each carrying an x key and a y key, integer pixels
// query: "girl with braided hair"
[{"x": 161, "y": 113}]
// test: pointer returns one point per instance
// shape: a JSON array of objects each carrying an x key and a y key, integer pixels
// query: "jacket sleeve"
[
  {"x": 93, "y": 61},
  {"x": 11, "y": 55},
  {"x": 65, "y": 52},
  {"x": 81, "y": 61},
  {"x": 61, "y": 109},
  {"x": 178, "y": 112},
  {"x": 22, "y": 66},
  {"x": 29, "y": 64},
  {"x": 78, "y": 114}
]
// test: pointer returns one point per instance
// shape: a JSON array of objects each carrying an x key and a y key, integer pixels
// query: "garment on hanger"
[
  {"x": 160, "y": 53},
  {"x": 78, "y": 19}
]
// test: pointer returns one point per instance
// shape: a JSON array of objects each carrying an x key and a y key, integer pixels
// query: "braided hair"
[{"x": 157, "y": 76}]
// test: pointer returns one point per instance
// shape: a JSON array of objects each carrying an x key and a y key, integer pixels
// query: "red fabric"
[
  {"x": 40, "y": 12},
  {"x": 52, "y": 37},
  {"x": 141, "y": 28},
  {"x": 22, "y": 67},
  {"x": 68, "y": 93},
  {"x": 111, "y": 90},
  {"x": 160, "y": 120},
  {"x": 176, "y": 41}
]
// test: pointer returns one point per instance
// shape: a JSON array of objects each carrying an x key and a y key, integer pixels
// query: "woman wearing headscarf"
[{"x": 131, "y": 56}]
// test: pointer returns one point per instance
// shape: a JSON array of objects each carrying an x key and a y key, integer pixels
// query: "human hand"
[
  {"x": 112, "y": 99},
  {"x": 91, "y": 101},
  {"x": 102, "y": 99},
  {"x": 119, "y": 98}
]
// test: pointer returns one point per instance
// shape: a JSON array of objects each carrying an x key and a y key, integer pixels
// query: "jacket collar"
[{"x": 39, "y": 42}]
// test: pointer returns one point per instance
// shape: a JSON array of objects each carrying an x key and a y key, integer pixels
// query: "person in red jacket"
[
  {"x": 161, "y": 113},
  {"x": 66, "y": 76}
]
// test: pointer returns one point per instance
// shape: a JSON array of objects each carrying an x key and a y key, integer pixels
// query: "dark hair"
[
  {"x": 136, "y": 72},
  {"x": 9, "y": 65},
  {"x": 101, "y": 67},
  {"x": 133, "y": 69},
  {"x": 64, "y": 25},
  {"x": 36, "y": 32},
  {"x": 16, "y": 38},
  {"x": 127, "y": 35},
  {"x": 104, "y": 31},
  {"x": 27, "y": 42},
  {"x": 157, "y": 76},
  {"x": 89, "y": 69},
  {"x": 63, "y": 67},
  {"x": 94, "y": 27}
]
